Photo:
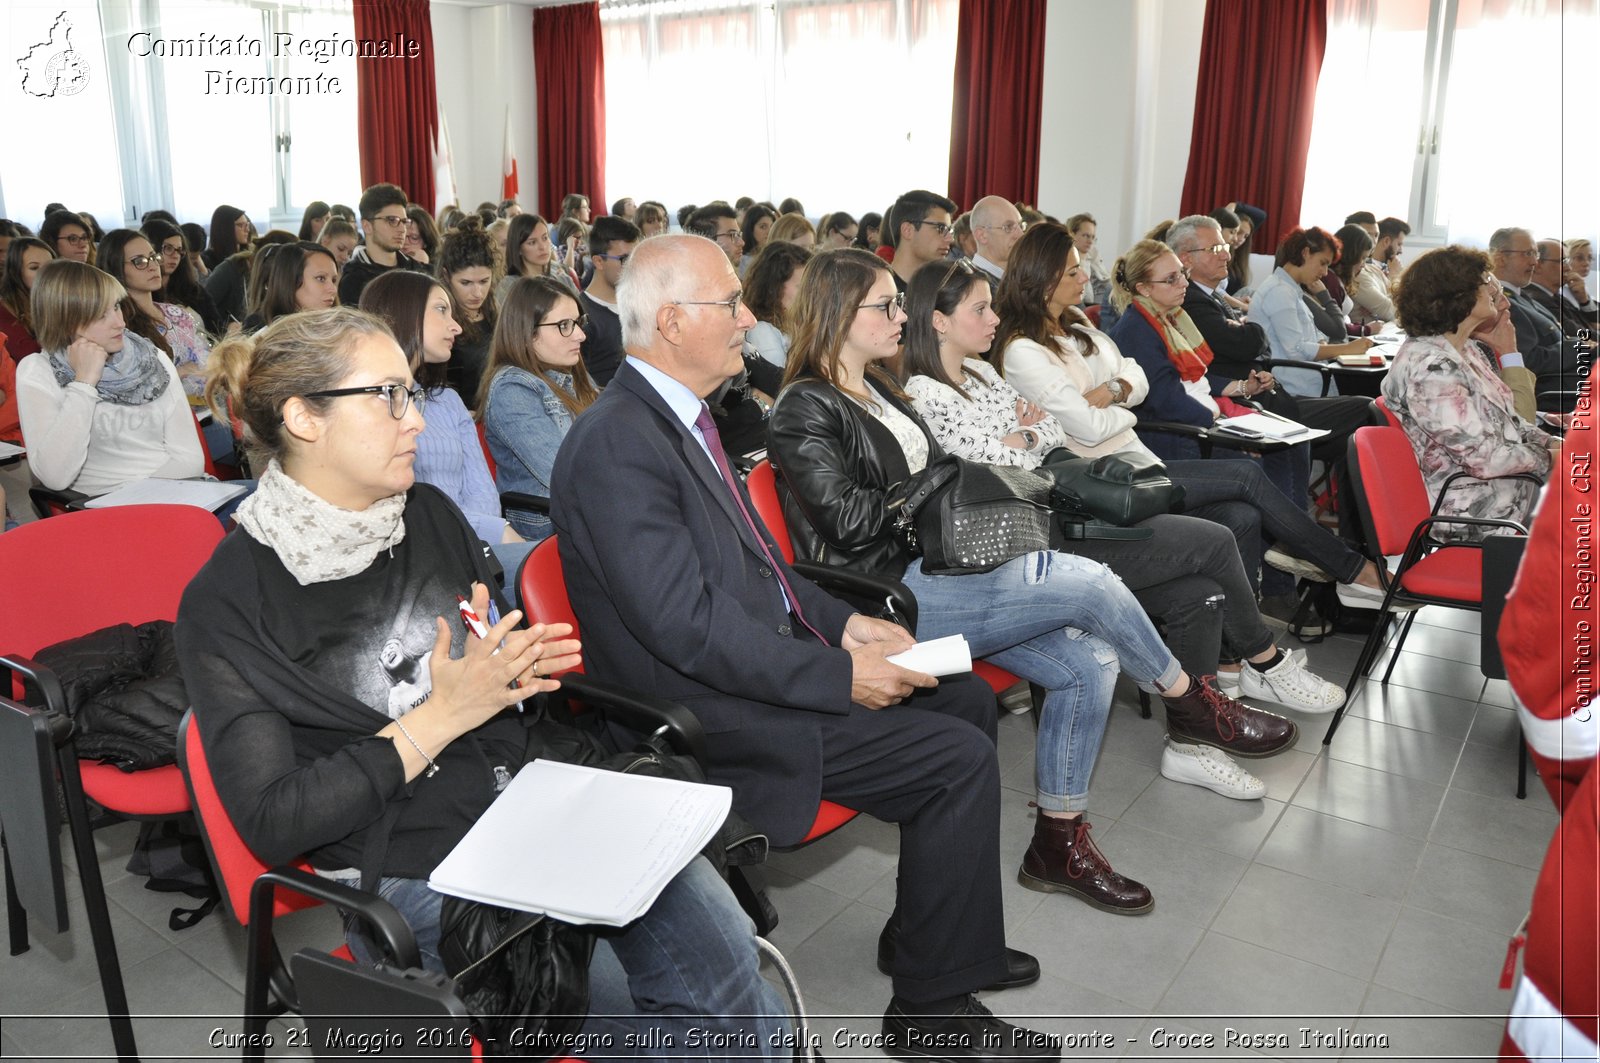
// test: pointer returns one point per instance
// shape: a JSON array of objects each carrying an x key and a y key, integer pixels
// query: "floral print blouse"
[
  {"x": 973, "y": 427},
  {"x": 1461, "y": 417}
]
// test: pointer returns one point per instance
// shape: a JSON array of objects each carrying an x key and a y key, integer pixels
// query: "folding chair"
[
  {"x": 256, "y": 895},
  {"x": 60, "y": 579},
  {"x": 1395, "y": 515}
]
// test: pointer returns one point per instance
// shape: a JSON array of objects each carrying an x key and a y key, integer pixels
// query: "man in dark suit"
[
  {"x": 1539, "y": 340},
  {"x": 680, "y": 590},
  {"x": 1551, "y": 287}
]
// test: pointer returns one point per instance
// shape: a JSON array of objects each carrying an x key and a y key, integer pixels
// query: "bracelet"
[{"x": 433, "y": 768}]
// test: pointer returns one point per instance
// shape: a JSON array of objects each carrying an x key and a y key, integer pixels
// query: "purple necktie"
[{"x": 719, "y": 458}]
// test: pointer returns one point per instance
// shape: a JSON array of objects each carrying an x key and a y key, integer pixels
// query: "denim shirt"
[
  {"x": 1278, "y": 308},
  {"x": 525, "y": 423}
]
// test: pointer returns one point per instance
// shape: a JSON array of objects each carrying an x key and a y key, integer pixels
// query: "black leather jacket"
[{"x": 836, "y": 466}]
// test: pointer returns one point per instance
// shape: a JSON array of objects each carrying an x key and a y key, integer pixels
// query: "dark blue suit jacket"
[{"x": 673, "y": 595}]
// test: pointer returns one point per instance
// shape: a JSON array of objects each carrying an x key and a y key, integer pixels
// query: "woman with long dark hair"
[
  {"x": 529, "y": 253},
  {"x": 533, "y": 387},
  {"x": 1278, "y": 307},
  {"x": 26, "y": 256},
  {"x": 179, "y": 285},
  {"x": 315, "y": 217},
  {"x": 844, "y": 441},
  {"x": 449, "y": 456},
  {"x": 293, "y": 277},
  {"x": 229, "y": 234},
  {"x": 466, "y": 266},
  {"x": 755, "y": 228}
]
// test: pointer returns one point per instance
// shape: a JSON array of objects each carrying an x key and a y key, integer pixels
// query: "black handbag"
[
  {"x": 962, "y": 516},
  {"x": 1120, "y": 489}
]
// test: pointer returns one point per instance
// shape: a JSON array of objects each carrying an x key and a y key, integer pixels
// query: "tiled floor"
[{"x": 1371, "y": 894}]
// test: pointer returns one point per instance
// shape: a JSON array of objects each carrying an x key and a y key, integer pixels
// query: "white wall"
[
  {"x": 483, "y": 64},
  {"x": 1119, "y": 88}
]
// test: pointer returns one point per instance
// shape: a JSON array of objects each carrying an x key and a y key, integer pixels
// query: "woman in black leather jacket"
[{"x": 842, "y": 436}]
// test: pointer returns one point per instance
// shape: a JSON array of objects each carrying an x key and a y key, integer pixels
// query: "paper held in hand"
[
  {"x": 1270, "y": 426},
  {"x": 936, "y": 657},
  {"x": 581, "y": 844}
]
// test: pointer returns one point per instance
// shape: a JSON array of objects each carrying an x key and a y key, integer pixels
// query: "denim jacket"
[{"x": 525, "y": 423}]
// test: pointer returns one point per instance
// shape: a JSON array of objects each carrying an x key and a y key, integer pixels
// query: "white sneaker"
[
  {"x": 1289, "y": 683},
  {"x": 1298, "y": 567},
  {"x": 1228, "y": 682},
  {"x": 1211, "y": 768},
  {"x": 1357, "y": 596}
]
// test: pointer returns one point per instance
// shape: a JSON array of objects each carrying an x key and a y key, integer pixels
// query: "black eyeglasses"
[
  {"x": 566, "y": 325},
  {"x": 732, "y": 305},
  {"x": 394, "y": 220},
  {"x": 620, "y": 260},
  {"x": 937, "y": 226},
  {"x": 889, "y": 305},
  {"x": 141, "y": 261},
  {"x": 75, "y": 239},
  {"x": 400, "y": 397}
]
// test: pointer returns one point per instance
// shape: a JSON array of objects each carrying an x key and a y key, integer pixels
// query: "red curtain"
[
  {"x": 1259, "y": 61},
  {"x": 570, "y": 66},
  {"x": 396, "y": 102},
  {"x": 998, "y": 101}
]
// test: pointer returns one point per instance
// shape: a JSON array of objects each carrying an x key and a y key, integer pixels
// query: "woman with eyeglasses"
[
  {"x": 1179, "y": 574},
  {"x": 1460, "y": 416},
  {"x": 1084, "y": 230},
  {"x": 1055, "y": 359},
  {"x": 179, "y": 285},
  {"x": 422, "y": 236},
  {"x": 534, "y": 385},
  {"x": 1277, "y": 305},
  {"x": 67, "y": 235},
  {"x": 844, "y": 440},
  {"x": 175, "y": 330},
  {"x": 100, "y": 404},
  {"x": 838, "y": 230},
  {"x": 25, "y": 257},
  {"x": 419, "y": 312}
]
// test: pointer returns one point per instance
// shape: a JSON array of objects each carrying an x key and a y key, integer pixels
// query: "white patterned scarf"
[{"x": 316, "y": 540}]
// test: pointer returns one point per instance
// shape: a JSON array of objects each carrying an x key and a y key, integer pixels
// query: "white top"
[
  {"x": 906, "y": 431},
  {"x": 75, "y": 441},
  {"x": 973, "y": 427},
  {"x": 1058, "y": 379}
]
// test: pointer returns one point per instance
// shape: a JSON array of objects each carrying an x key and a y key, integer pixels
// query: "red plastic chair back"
[
  {"x": 82, "y": 571},
  {"x": 488, "y": 455},
  {"x": 205, "y": 448},
  {"x": 1389, "y": 486},
  {"x": 237, "y": 867},
  {"x": 763, "y": 487},
  {"x": 1388, "y": 415},
  {"x": 544, "y": 590},
  {"x": 1092, "y": 312}
]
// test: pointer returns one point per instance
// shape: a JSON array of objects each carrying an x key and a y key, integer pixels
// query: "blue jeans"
[
  {"x": 687, "y": 966},
  {"x": 1063, "y": 622}
]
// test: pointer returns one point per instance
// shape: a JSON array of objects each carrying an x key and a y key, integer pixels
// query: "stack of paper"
[
  {"x": 581, "y": 844},
  {"x": 10, "y": 450},
  {"x": 207, "y": 494},
  {"x": 936, "y": 657},
  {"x": 1270, "y": 426}
]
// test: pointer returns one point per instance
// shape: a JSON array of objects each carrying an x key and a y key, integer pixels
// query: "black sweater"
[{"x": 290, "y": 685}]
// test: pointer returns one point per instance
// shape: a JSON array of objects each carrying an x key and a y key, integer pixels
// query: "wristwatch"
[{"x": 1117, "y": 390}]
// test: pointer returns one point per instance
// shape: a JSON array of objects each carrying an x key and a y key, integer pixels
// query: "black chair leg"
[
  {"x": 16, "y": 915},
  {"x": 94, "y": 902},
  {"x": 1144, "y": 705},
  {"x": 1364, "y": 662},
  {"x": 1522, "y": 765},
  {"x": 1405, "y": 629},
  {"x": 752, "y": 897}
]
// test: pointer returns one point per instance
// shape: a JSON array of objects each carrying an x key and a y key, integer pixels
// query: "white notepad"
[
  {"x": 1270, "y": 426},
  {"x": 10, "y": 450},
  {"x": 207, "y": 494},
  {"x": 936, "y": 657},
  {"x": 581, "y": 844}
]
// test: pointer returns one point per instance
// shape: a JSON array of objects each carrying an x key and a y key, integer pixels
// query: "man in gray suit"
[
  {"x": 1543, "y": 348},
  {"x": 679, "y": 589}
]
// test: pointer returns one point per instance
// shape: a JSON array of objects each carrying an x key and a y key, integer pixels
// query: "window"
[
  {"x": 60, "y": 133},
  {"x": 1449, "y": 113},
  {"x": 842, "y": 105}
]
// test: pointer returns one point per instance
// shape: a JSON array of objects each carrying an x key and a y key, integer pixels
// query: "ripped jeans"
[{"x": 1061, "y": 621}]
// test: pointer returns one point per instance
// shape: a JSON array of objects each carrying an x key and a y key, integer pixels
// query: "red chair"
[
  {"x": 66, "y": 577},
  {"x": 763, "y": 487},
  {"x": 1387, "y": 414},
  {"x": 1393, "y": 501},
  {"x": 257, "y": 894}
]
